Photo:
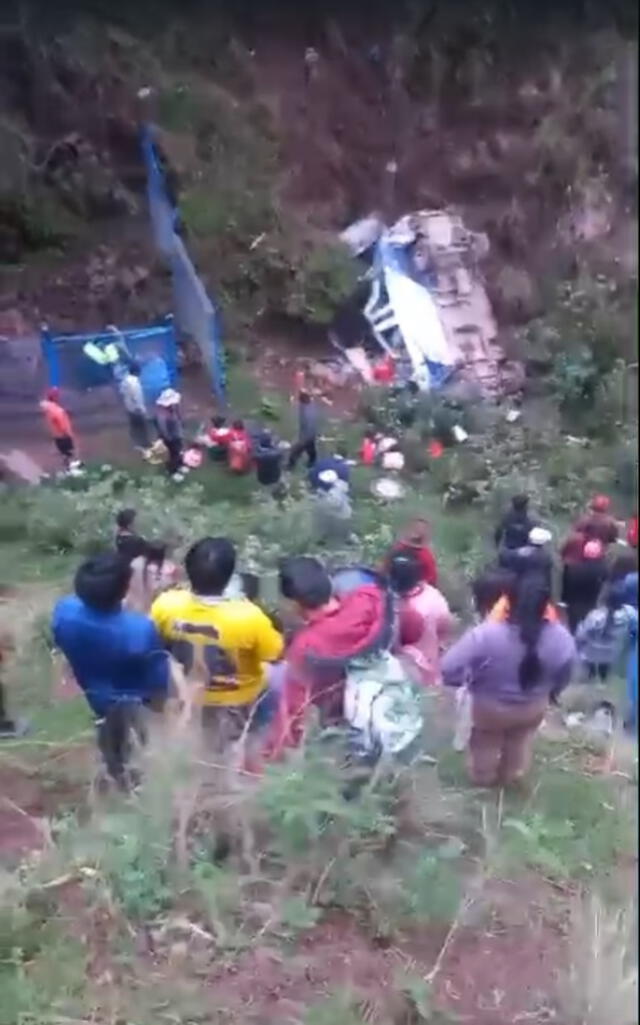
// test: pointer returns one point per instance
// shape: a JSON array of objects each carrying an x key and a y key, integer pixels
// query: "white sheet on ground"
[
  {"x": 357, "y": 357},
  {"x": 419, "y": 323}
]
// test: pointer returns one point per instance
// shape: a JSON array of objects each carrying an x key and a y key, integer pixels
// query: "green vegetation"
[
  {"x": 215, "y": 868},
  {"x": 211, "y": 896}
]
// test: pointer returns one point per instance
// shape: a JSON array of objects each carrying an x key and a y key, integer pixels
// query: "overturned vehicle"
[{"x": 423, "y": 304}]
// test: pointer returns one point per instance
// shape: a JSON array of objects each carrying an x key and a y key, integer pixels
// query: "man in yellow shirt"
[{"x": 222, "y": 643}]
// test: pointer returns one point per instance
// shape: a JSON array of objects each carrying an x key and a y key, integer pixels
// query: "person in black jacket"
[
  {"x": 516, "y": 524},
  {"x": 129, "y": 544},
  {"x": 267, "y": 456}
]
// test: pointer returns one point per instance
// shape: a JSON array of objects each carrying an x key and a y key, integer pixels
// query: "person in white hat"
[
  {"x": 332, "y": 512},
  {"x": 534, "y": 557},
  {"x": 169, "y": 424}
]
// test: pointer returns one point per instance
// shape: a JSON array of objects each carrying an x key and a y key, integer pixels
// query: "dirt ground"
[
  {"x": 498, "y": 970},
  {"x": 25, "y": 808},
  {"x": 101, "y": 429}
]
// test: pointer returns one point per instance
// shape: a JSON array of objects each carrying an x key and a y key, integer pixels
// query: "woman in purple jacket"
[{"x": 512, "y": 670}]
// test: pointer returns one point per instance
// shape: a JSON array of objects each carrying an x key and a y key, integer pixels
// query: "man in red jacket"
[{"x": 336, "y": 630}]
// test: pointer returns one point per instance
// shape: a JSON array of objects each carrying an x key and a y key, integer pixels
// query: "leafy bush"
[
  {"x": 326, "y": 276},
  {"x": 580, "y": 347}
]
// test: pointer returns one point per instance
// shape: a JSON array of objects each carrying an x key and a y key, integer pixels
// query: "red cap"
[
  {"x": 52, "y": 394},
  {"x": 600, "y": 503}
]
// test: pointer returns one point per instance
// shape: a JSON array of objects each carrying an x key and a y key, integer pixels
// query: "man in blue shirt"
[{"x": 116, "y": 655}]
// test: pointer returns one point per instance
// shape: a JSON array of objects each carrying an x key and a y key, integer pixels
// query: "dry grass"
[{"x": 601, "y": 983}]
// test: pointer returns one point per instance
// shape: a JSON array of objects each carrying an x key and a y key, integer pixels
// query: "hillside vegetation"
[{"x": 211, "y": 896}]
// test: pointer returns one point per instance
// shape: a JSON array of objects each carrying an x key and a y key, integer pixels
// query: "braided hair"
[{"x": 528, "y": 602}]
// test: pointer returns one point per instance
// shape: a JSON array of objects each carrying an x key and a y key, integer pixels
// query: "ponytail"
[{"x": 528, "y": 604}]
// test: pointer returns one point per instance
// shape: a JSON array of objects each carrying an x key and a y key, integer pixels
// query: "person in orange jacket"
[{"x": 59, "y": 423}]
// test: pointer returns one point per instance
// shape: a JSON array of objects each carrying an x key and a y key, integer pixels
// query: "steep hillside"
[{"x": 524, "y": 120}]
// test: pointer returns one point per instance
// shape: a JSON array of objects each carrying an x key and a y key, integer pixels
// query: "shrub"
[{"x": 326, "y": 276}]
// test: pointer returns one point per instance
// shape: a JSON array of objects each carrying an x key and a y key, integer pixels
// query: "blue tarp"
[{"x": 196, "y": 315}]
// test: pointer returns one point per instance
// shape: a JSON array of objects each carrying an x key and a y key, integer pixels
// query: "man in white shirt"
[{"x": 133, "y": 401}]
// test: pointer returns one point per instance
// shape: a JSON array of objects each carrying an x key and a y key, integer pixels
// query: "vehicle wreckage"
[{"x": 424, "y": 302}]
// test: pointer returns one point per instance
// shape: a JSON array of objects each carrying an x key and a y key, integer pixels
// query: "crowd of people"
[
  {"x": 342, "y": 640},
  {"x": 136, "y": 615},
  {"x": 153, "y": 411}
]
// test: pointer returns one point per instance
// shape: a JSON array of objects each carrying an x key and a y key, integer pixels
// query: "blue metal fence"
[
  {"x": 195, "y": 316},
  {"x": 70, "y": 366}
]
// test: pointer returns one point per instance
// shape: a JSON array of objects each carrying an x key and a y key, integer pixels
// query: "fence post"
[
  {"x": 50, "y": 355},
  {"x": 171, "y": 347}
]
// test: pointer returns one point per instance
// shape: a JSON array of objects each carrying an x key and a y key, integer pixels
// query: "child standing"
[
  {"x": 152, "y": 572},
  {"x": 606, "y": 633},
  {"x": 170, "y": 430},
  {"x": 129, "y": 544}
]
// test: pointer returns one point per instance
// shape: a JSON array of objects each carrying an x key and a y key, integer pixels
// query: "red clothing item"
[
  {"x": 572, "y": 550},
  {"x": 57, "y": 419},
  {"x": 598, "y": 525},
  {"x": 384, "y": 371},
  {"x": 368, "y": 452},
  {"x": 425, "y": 557},
  {"x": 361, "y": 623},
  {"x": 239, "y": 451},
  {"x": 632, "y": 532},
  {"x": 220, "y": 436}
]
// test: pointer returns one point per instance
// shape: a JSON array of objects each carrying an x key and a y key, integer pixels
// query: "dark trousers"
[
  {"x": 7, "y": 725},
  {"x": 116, "y": 732},
  {"x": 595, "y": 672},
  {"x": 576, "y": 612},
  {"x": 139, "y": 429},
  {"x": 300, "y": 448},
  {"x": 66, "y": 448},
  {"x": 174, "y": 451}
]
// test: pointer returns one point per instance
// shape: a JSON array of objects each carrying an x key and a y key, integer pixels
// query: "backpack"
[{"x": 382, "y": 707}]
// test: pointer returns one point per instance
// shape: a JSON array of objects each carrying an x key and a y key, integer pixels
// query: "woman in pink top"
[{"x": 422, "y": 658}]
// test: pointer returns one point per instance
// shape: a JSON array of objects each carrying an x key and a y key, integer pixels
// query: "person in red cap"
[
  {"x": 598, "y": 524},
  {"x": 59, "y": 424}
]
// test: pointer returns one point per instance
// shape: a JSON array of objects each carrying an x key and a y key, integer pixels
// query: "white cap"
[
  {"x": 169, "y": 397},
  {"x": 328, "y": 477},
  {"x": 539, "y": 536}
]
